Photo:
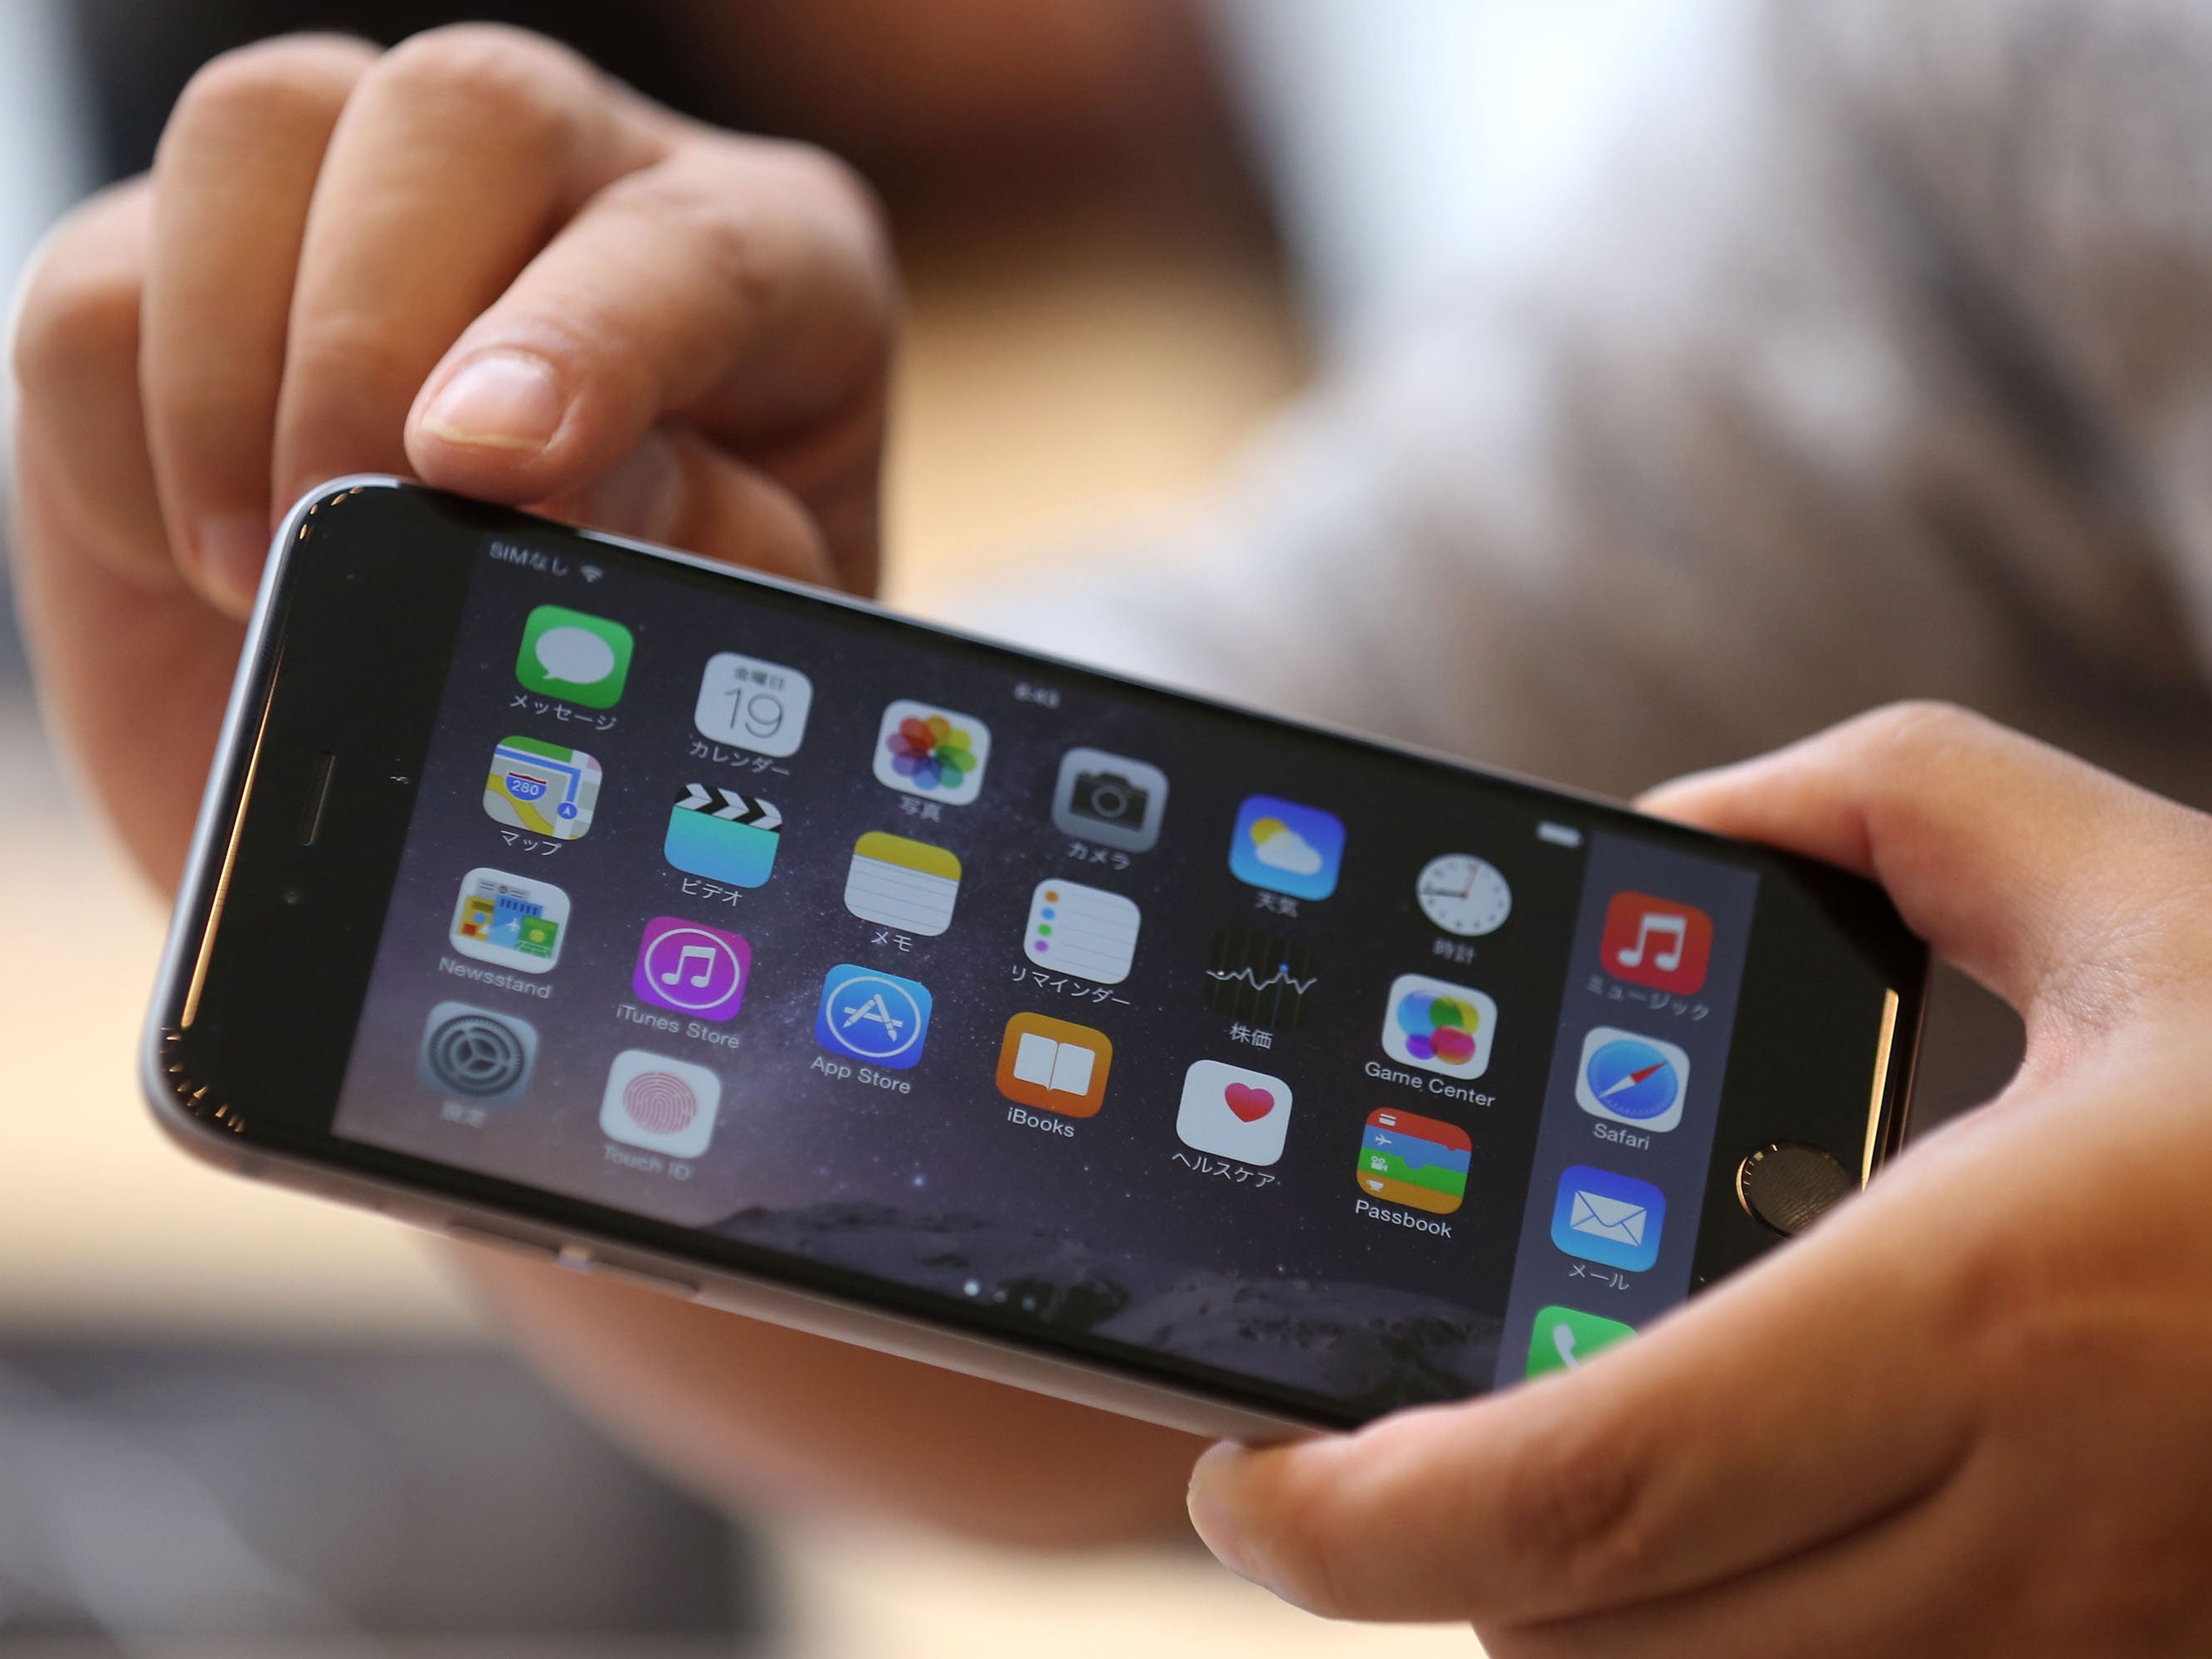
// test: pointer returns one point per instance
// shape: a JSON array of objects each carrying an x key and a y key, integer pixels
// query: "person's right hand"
[{"x": 472, "y": 259}]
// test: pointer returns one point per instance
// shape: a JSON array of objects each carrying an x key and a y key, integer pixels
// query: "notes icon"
[
  {"x": 1656, "y": 942},
  {"x": 906, "y": 884},
  {"x": 1083, "y": 931}
]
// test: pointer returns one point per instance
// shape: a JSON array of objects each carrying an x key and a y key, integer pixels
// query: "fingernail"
[
  {"x": 233, "y": 547},
  {"x": 501, "y": 400},
  {"x": 642, "y": 495}
]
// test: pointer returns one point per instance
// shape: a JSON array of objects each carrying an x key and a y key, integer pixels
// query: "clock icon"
[{"x": 1463, "y": 894}]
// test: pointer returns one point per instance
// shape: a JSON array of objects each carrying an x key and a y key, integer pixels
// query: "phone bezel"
[{"x": 247, "y": 858}]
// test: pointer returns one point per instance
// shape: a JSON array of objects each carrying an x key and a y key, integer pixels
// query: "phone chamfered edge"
[{"x": 1098, "y": 1382}]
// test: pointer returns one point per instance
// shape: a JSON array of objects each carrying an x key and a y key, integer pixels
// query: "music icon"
[
  {"x": 691, "y": 969},
  {"x": 1656, "y": 942}
]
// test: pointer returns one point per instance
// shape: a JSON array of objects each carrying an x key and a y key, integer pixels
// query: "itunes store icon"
[
  {"x": 691, "y": 969},
  {"x": 662, "y": 1105}
]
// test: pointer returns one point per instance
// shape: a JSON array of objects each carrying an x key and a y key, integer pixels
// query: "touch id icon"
[
  {"x": 1054, "y": 1065},
  {"x": 871, "y": 1016},
  {"x": 663, "y": 1105}
]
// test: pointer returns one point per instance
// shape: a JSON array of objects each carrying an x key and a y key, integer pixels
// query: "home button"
[{"x": 1789, "y": 1187}]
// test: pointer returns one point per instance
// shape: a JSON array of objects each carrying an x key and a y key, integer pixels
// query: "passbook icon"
[
  {"x": 906, "y": 884},
  {"x": 1609, "y": 1218}
]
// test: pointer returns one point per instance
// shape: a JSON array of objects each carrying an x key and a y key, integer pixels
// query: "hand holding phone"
[
  {"x": 473, "y": 259},
  {"x": 1965, "y": 1416}
]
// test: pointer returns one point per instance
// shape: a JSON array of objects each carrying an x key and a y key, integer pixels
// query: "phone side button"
[
  {"x": 1789, "y": 1187},
  {"x": 667, "y": 1284},
  {"x": 469, "y": 1232}
]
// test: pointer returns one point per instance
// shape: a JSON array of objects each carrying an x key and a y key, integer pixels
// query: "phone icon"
[
  {"x": 1656, "y": 942},
  {"x": 932, "y": 752},
  {"x": 1260, "y": 979},
  {"x": 510, "y": 919},
  {"x": 752, "y": 703},
  {"x": 1564, "y": 1340},
  {"x": 1439, "y": 1027},
  {"x": 1054, "y": 1065},
  {"x": 542, "y": 787},
  {"x": 691, "y": 969},
  {"x": 1083, "y": 931},
  {"x": 1420, "y": 1162},
  {"x": 476, "y": 1055},
  {"x": 723, "y": 836},
  {"x": 1109, "y": 798},
  {"x": 1286, "y": 847},
  {"x": 873, "y": 1016},
  {"x": 1611, "y": 1219},
  {"x": 663, "y": 1105},
  {"x": 1234, "y": 1113},
  {"x": 1632, "y": 1080},
  {"x": 575, "y": 656}
]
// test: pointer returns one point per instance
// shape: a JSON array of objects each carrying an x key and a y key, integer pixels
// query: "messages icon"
[
  {"x": 1612, "y": 1219},
  {"x": 577, "y": 658}
]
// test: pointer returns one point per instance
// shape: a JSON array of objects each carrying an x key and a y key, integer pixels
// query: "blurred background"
[{"x": 235, "y": 1420}]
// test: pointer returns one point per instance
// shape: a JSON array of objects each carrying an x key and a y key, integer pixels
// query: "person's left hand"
[{"x": 1970, "y": 1413}]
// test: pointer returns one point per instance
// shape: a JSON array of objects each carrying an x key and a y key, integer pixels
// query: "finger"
[
  {"x": 2045, "y": 879},
  {"x": 233, "y": 178},
  {"x": 740, "y": 286},
  {"x": 81, "y": 427},
  {"x": 678, "y": 488},
  {"x": 1685, "y": 1457},
  {"x": 456, "y": 157}
]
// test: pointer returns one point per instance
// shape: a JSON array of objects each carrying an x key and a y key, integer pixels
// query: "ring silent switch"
[{"x": 1789, "y": 1187}]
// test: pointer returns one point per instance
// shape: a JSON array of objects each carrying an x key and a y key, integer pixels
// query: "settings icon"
[{"x": 473, "y": 1054}]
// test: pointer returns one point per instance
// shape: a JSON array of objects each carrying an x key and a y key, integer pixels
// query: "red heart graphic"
[{"x": 1249, "y": 1103}]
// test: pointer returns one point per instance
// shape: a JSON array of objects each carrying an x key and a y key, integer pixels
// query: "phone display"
[{"x": 1243, "y": 1055}]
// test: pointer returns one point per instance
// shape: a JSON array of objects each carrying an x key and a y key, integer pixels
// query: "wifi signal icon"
[{"x": 591, "y": 573}]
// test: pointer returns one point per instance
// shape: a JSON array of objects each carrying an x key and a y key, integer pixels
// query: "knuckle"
[
  {"x": 486, "y": 71},
  {"x": 1918, "y": 730},
  {"x": 291, "y": 83},
  {"x": 79, "y": 314},
  {"x": 1577, "y": 1499}
]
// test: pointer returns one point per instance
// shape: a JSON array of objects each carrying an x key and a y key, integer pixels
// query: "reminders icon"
[
  {"x": 906, "y": 884},
  {"x": 1083, "y": 931}
]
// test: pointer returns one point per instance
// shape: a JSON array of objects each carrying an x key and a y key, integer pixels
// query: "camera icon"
[{"x": 1109, "y": 798}]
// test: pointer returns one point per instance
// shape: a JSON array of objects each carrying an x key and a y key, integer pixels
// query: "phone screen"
[{"x": 1244, "y": 1051}]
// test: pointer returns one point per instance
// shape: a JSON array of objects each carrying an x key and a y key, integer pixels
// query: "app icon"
[
  {"x": 722, "y": 835},
  {"x": 476, "y": 1055},
  {"x": 932, "y": 752},
  {"x": 691, "y": 969},
  {"x": 1054, "y": 1065},
  {"x": 577, "y": 658},
  {"x": 1563, "y": 1341},
  {"x": 1109, "y": 798},
  {"x": 875, "y": 1016},
  {"x": 1286, "y": 847},
  {"x": 1656, "y": 942},
  {"x": 1083, "y": 931},
  {"x": 1233, "y": 1112},
  {"x": 1632, "y": 1080},
  {"x": 1463, "y": 895},
  {"x": 1608, "y": 1219},
  {"x": 752, "y": 704},
  {"x": 906, "y": 884},
  {"x": 1439, "y": 1027},
  {"x": 510, "y": 920},
  {"x": 1259, "y": 979},
  {"x": 1419, "y": 1162},
  {"x": 542, "y": 787},
  {"x": 663, "y": 1105}
]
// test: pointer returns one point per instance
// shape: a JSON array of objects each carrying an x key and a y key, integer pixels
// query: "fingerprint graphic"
[{"x": 660, "y": 1104}]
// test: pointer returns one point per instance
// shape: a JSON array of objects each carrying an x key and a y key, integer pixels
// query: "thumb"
[{"x": 2066, "y": 890}]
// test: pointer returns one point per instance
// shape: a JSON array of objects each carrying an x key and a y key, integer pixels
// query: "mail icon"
[{"x": 1612, "y": 1219}]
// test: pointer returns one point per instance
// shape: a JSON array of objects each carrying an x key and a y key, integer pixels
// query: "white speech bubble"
[{"x": 575, "y": 654}]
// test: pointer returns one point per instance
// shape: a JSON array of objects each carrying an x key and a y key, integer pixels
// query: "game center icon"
[{"x": 691, "y": 969}]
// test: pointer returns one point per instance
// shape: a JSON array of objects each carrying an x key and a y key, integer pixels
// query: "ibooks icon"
[{"x": 1054, "y": 1065}]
